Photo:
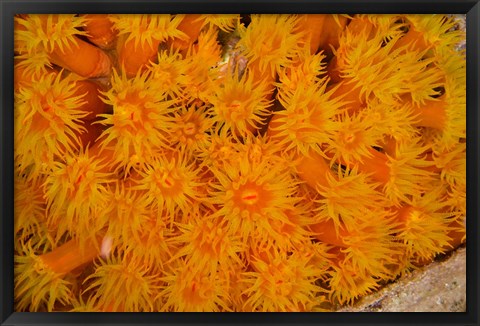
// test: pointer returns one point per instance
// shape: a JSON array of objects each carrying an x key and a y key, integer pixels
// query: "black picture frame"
[{"x": 10, "y": 7}]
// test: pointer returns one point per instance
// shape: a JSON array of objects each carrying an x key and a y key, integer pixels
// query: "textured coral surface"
[{"x": 233, "y": 162}]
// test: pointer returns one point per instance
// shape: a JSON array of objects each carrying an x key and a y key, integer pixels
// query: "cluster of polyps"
[{"x": 233, "y": 163}]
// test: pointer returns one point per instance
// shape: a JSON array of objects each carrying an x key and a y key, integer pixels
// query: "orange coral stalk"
[
  {"x": 40, "y": 279},
  {"x": 55, "y": 35},
  {"x": 191, "y": 25},
  {"x": 140, "y": 38},
  {"x": 325, "y": 231},
  {"x": 100, "y": 30},
  {"x": 134, "y": 58},
  {"x": 93, "y": 63},
  {"x": 358, "y": 177},
  {"x": 389, "y": 145},
  {"x": 333, "y": 26},
  {"x": 377, "y": 164},
  {"x": 313, "y": 25},
  {"x": 350, "y": 93},
  {"x": 70, "y": 256},
  {"x": 21, "y": 78},
  {"x": 333, "y": 71},
  {"x": 314, "y": 170},
  {"x": 90, "y": 92},
  {"x": 107, "y": 154},
  {"x": 362, "y": 24},
  {"x": 267, "y": 80},
  {"x": 37, "y": 285},
  {"x": 431, "y": 114},
  {"x": 413, "y": 39},
  {"x": 89, "y": 138}
]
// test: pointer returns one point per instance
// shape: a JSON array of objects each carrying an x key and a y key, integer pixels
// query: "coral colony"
[{"x": 233, "y": 162}]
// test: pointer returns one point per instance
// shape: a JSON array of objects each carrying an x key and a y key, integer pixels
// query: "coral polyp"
[
  {"x": 37, "y": 285},
  {"x": 75, "y": 191},
  {"x": 239, "y": 103},
  {"x": 352, "y": 138},
  {"x": 201, "y": 60},
  {"x": 431, "y": 31},
  {"x": 226, "y": 23},
  {"x": 47, "y": 121},
  {"x": 208, "y": 245},
  {"x": 191, "y": 127},
  {"x": 346, "y": 285},
  {"x": 307, "y": 119},
  {"x": 279, "y": 37},
  {"x": 171, "y": 185},
  {"x": 124, "y": 214},
  {"x": 423, "y": 225},
  {"x": 144, "y": 29},
  {"x": 137, "y": 285},
  {"x": 307, "y": 70},
  {"x": 47, "y": 32},
  {"x": 233, "y": 163},
  {"x": 187, "y": 291},
  {"x": 282, "y": 284},
  {"x": 169, "y": 73},
  {"x": 251, "y": 195},
  {"x": 337, "y": 204},
  {"x": 140, "y": 119},
  {"x": 29, "y": 208}
]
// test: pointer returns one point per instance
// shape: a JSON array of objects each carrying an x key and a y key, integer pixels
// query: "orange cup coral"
[{"x": 233, "y": 162}]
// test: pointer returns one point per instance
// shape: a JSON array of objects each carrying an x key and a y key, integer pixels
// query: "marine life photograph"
[{"x": 234, "y": 162}]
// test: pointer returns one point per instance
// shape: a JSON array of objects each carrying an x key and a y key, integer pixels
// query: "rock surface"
[{"x": 438, "y": 287}]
